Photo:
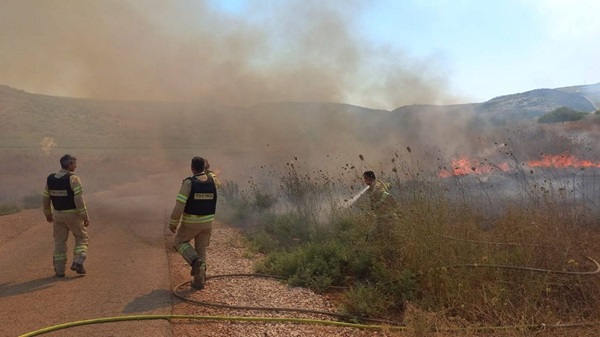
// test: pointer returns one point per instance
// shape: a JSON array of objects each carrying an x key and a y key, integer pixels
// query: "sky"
[{"x": 377, "y": 54}]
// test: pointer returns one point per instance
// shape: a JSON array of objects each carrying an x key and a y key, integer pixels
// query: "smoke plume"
[{"x": 192, "y": 51}]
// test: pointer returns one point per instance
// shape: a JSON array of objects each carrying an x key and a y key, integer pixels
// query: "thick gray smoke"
[{"x": 190, "y": 51}]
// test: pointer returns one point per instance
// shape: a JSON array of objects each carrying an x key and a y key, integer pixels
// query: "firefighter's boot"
[
  {"x": 78, "y": 268},
  {"x": 196, "y": 265},
  {"x": 59, "y": 261},
  {"x": 199, "y": 279}
]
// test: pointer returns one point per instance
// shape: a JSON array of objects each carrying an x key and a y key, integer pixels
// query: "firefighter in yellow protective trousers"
[
  {"x": 63, "y": 205},
  {"x": 382, "y": 203},
  {"x": 195, "y": 206}
]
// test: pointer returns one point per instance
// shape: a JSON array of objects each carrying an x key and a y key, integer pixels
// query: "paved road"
[{"x": 128, "y": 272}]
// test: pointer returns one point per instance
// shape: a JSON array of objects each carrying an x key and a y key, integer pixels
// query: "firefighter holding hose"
[{"x": 383, "y": 204}]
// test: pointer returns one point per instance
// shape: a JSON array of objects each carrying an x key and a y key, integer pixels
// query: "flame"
[
  {"x": 564, "y": 160},
  {"x": 465, "y": 165}
]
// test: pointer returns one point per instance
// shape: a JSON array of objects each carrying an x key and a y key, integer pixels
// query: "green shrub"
[
  {"x": 262, "y": 242},
  {"x": 363, "y": 300},
  {"x": 314, "y": 265},
  {"x": 562, "y": 114},
  {"x": 287, "y": 230}
]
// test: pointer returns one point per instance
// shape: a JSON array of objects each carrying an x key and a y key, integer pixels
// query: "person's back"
[
  {"x": 64, "y": 206},
  {"x": 195, "y": 207}
]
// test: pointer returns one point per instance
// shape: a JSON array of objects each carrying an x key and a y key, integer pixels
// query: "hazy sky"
[{"x": 377, "y": 54}]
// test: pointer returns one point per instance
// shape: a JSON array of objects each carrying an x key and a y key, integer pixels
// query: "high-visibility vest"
[
  {"x": 203, "y": 197},
  {"x": 61, "y": 192}
]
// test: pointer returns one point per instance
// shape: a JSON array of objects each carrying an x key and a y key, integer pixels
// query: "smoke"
[
  {"x": 192, "y": 51},
  {"x": 47, "y": 145}
]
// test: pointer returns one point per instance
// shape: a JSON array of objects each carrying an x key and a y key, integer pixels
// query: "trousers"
[
  {"x": 200, "y": 233},
  {"x": 63, "y": 224}
]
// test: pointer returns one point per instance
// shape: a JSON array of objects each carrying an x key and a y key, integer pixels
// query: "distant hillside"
[
  {"x": 516, "y": 107},
  {"x": 102, "y": 124},
  {"x": 591, "y": 92},
  {"x": 86, "y": 123},
  {"x": 531, "y": 104}
]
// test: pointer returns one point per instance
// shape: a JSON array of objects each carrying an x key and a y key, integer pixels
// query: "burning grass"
[{"x": 514, "y": 246}]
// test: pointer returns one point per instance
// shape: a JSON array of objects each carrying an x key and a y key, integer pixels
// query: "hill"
[
  {"x": 264, "y": 132},
  {"x": 92, "y": 123},
  {"x": 590, "y": 92},
  {"x": 532, "y": 104}
]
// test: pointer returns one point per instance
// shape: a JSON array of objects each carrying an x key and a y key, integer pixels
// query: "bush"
[
  {"x": 562, "y": 114},
  {"x": 287, "y": 230},
  {"x": 315, "y": 265},
  {"x": 365, "y": 301}
]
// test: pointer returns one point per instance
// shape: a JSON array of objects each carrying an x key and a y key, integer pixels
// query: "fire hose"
[{"x": 388, "y": 325}]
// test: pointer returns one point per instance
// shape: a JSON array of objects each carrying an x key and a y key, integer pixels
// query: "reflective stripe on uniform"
[
  {"x": 79, "y": 250},
  {"x": 182, "y": 198},
  {"x": 78, "y": 190},
  {"x": 190, "y": 218},
  {"x": 60, "y": 257},
  {"x": 73, "y": 210},
  {"x": 46, "y": 193},
  {"x": 173, "y": 222},
  {"x": 185, "y": 246}
]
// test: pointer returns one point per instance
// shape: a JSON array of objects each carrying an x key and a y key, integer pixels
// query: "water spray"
[{"x": 351, "y": 202}]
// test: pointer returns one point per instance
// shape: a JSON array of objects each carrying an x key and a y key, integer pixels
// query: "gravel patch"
[{"x": 227, "y": 255}]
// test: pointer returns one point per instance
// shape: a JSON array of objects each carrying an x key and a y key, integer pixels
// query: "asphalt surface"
[{"x": 128, "y": 271}]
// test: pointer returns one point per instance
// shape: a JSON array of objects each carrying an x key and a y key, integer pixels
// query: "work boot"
[
  {"x": 78, "y": 268},
  {"x": 198, "y": 285},
  {"x": 196, "y": 265},
  {"x": 59, "y": 275},
  {"x": 199, "y": 280}
]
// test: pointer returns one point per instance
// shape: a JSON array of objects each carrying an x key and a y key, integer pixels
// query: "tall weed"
[{"x": 494, "y": 249}]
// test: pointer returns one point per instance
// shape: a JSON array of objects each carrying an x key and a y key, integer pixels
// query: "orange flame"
[
  {"x": 464, "y": 166},
  {"x": 565, "y": 160}
]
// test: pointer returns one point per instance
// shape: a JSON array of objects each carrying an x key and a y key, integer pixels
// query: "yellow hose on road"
[
  {"x": 211, "y": 318},
  {"x": 297, "y": 320}
]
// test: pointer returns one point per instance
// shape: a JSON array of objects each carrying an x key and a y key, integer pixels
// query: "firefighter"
[
  {"x": 195, "y": 206},
  {"x": 382, "y": 203},
  {"x": 64, "y": 206}
]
